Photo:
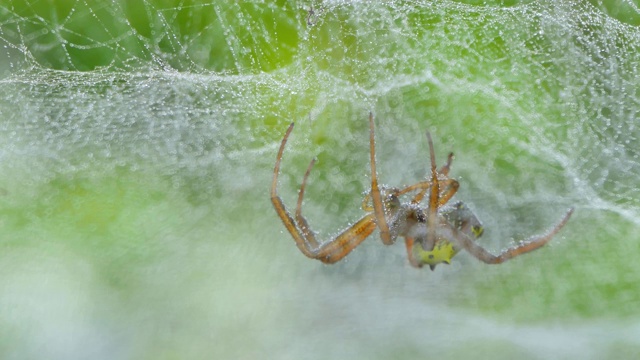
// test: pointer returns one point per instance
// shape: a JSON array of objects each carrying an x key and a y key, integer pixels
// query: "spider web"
[
  {"x": 539, "y": 100},
  {"x": 294, "y": 61},
  {"x": 587, "y": 60}
]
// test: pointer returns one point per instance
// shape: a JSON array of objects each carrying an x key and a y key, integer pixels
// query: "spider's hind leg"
[{"x": 533, "y": 243}]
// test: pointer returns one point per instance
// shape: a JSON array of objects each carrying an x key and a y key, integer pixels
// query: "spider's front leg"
[
  {"x": 330, "y": 251},
  {"x": 378, "y": 205}
]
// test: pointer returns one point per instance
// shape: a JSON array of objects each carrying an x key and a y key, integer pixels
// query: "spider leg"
[
  {"x": 449, "y": 188},
  {"x": 282, "y": 212},
  {"x": 424, "y": 185},
  {"x": 365, "y": 202},
  {"x": 409, "y": 242},
  {"x": 444, "y": 170},
  {"x": 304, "y": 225},
  {"x": 434, "y": 199},
  {"x": 533, "y": 243},
  {"x": 331, "y": 251},
  {"x": 336, "y": 249},
  {"x": 378, "y": 206}
]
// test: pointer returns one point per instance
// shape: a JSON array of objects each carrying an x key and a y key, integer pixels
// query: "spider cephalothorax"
[{"x": 433, "y": 233}]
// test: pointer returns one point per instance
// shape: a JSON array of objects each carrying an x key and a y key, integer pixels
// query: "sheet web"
[
  {"x": 130, "y": 35},
  {"x": 584, "y": 60},
  {"x": 540, "y": 101}
]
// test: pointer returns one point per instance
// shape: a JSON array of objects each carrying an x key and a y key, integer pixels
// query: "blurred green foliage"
[{"x": 185, "y": 35}]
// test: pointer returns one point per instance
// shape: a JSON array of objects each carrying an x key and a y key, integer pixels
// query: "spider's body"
[
  {"x": 433, "y": 233},
  {"x": 409, "y": 220},
  {"x": 461, "y": 218}
]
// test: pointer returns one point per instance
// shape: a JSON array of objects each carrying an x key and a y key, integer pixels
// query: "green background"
[{"x": 138, "y": 143}]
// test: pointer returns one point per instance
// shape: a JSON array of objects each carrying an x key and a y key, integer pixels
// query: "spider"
[{"x": 433, "y": 234}]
